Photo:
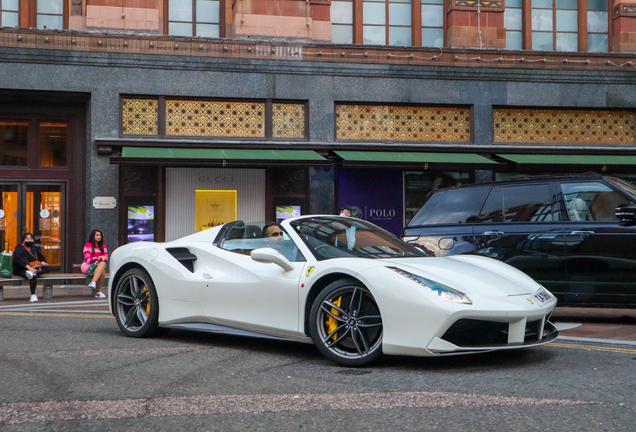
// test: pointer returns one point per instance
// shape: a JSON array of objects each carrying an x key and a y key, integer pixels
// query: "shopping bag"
[
  {"x": 91, "y": 269},
  {"x": 6, "y": 264}
]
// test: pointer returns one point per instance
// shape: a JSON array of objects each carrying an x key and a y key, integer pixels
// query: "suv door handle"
[
  {"x": 493, "y": 233},
  {"x": 582, "y": 233},
  {"x": 208, "y": 276}
]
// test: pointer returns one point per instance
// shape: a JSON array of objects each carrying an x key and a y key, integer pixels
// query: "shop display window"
[{"x": 141, "y": 222}]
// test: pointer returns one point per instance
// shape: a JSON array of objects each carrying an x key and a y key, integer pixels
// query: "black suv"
[{"x": 575, "y": 235}]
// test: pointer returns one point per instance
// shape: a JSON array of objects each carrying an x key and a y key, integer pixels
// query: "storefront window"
[
  {"x": 194, "y": 18},
  {"x": 433, "y": 23},
  {"x": 50, "y": 14},
  {"x": 53, "y": 138},
  {"x": 418, "y": 187},
  {"x": 342, "y": 22},
  {"x": 9, "y": 13},
  {"x": 554, "y": 25},
  {"x": 597, "y": 26},
  {"x": 386, "y": 22},
  {"x": 13, "y": 143},
  {"x": 512, "y": 22}
]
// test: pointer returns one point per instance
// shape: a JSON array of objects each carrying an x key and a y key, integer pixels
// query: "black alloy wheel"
[
  {"x": 345, "y": 324},
  {"x": 136, "y": 305}
]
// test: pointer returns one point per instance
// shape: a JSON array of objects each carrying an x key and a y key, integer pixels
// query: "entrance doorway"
[{"x": 38, "y": 208}]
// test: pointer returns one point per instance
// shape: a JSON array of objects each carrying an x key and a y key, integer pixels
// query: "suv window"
[
  {"x": 523, "y": 203},
  {"x": 527, "y": 203},
  {"x": 591, "y": 201},
  {"x": 454, "y": 206}
]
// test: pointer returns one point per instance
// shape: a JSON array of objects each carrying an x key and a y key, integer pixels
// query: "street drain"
[{"x": 353, "y": 372}]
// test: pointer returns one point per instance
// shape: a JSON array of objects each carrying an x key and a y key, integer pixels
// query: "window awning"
[
  {"x": 217, "y": 157},
  {"x": 193, "y": 153},
  {"x": 413, "y": 157},
  {"x": 569, "y": 159}
]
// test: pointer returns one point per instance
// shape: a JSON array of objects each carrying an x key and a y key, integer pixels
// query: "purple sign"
[{"x": 375, "y": 196}]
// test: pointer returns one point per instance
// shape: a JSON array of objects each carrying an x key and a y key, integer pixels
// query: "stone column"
[
  {"x": 624, "y": 26},
  {"x": 466, "y": 19}
]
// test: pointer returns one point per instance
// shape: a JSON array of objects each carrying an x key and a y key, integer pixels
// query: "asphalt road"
[{"x": 75, "y": 371}]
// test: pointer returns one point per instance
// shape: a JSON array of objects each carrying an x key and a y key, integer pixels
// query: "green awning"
[
  {"x": 569, "y": 159},
  {"x": 194, "y": 153},
  {"x": 413, "y": 157}
]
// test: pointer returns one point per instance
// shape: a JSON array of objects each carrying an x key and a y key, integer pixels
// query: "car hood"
[{"x": 470, "y": 274}]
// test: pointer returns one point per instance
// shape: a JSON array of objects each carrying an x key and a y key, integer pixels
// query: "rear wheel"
[
  {"x": 136, "y": 304},
  {"x": 346, "y": 325}
]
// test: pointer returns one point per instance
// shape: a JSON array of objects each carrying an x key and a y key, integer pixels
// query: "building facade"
[{"x": 129, "y": 115}]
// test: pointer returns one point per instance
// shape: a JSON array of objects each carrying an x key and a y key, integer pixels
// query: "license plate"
[{"x": 542, "y": 297}]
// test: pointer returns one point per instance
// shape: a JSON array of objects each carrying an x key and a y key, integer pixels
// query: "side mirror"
[
  {"x": 626, "y": 212},
  {"x": 271, "y": 256}
]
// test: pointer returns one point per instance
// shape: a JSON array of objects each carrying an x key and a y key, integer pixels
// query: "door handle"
[
  {"x": 493, "y": 233},
  {"x": 582, "y": 233},
  {"x": 208, "y": 276}
]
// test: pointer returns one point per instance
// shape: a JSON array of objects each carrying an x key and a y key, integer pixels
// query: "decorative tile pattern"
[
  {"x": 563, "y": 126},
  {"x": 139, "y": 116},
  {"x": 288, "y": 120},
  {"x": 484, "y": 4},
  {"x": 398, "y": 123},
  {"x": 215, "y": 119}
]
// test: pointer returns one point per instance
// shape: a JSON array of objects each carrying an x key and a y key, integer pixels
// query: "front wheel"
[
  {"x": 346, "y": 325},
  {"x": 136, "y": 304}
]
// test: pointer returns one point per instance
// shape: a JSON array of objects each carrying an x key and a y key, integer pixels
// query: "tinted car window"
[
  {"x": 455, "y": 206},
  {"x": 591, "y": 201},
  {"x": 493, "y": 208},
  {"x": 527, "y": 203}
]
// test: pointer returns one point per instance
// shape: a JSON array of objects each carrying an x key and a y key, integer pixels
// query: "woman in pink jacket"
[{"x": 95, "y": 251}]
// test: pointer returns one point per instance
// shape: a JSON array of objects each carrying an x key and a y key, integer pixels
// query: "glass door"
[{"x": 37, "y": 208}]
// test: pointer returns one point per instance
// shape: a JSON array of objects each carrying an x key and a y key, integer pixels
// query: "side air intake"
[{"x": 184, "y": 256}]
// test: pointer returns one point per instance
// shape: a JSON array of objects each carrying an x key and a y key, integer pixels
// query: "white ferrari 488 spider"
[{"x": 349, "y": 287}]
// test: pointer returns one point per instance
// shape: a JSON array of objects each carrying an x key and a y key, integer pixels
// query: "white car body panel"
[{"x": 232, "y": 290}]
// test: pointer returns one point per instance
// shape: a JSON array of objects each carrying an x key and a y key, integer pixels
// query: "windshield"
[
  {"x": 338, "y": 237},
  {"x": 625, "y": 185}
]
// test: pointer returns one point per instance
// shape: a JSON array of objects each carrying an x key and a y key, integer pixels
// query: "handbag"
[
  {"x": 91, "y": 269},
  {"x": 6, "y": 264},
  {"x": 35, "y": 264}
]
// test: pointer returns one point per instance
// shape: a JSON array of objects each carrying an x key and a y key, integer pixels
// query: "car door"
[
  {"x": 601, "y": 251},
  {"x": 242, "y": 293},
  {"x": 519, "y": 225},
  {"x": 444, "y": 225}
]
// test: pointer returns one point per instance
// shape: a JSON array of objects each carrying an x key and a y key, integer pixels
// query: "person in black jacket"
[{"x": 23, "y": 257}]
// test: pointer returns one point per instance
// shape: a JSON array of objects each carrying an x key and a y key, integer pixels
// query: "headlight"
[{"x": 447, "y": 293}]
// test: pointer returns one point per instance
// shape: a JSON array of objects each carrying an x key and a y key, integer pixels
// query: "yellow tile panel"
[
  {"x": 288, "y": 120},
  {"x": 139, "y": 116},
  {"x": 398, "y": 123},
  {"x": 215, "y": 119},
  {"x": 564, "y": 126}
]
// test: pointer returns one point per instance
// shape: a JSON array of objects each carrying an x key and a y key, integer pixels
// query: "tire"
[
  {"x": 345, "y": 324},
  {"x": 136, "y": 305}
]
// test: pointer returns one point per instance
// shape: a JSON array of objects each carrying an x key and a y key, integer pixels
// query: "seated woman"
[
  {"x": 29, "y": 262},
  {"x": 95, "y": 251}
]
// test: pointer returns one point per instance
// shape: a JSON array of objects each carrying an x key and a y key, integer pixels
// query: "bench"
[{"x": 47, "y": 281}]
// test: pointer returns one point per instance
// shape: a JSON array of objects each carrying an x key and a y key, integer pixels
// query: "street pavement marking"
[
  {"x": 65, "y": 314},
  {"x": 593, "y": 348},
  {"x": 31, "y": 412}
]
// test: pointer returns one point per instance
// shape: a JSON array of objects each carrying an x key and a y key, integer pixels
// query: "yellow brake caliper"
[
  {"x": 147, "y": 301},
  {"x": 332, "y": 324}
]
